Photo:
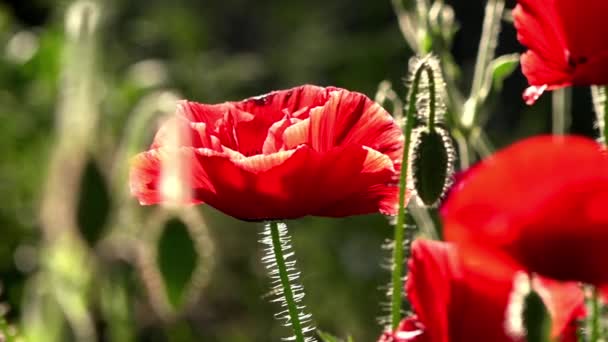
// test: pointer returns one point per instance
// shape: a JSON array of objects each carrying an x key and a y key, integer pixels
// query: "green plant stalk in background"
[
  {"x": 485, "y": 53},
  {"x": 593, "y": 322},
  {"x": 399, "y": 238},
  {"x": 561, "y": 105}
]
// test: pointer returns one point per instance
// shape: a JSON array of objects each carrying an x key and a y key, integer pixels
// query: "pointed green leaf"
[
  {"x": 177, "y": 260},
  {"x": 326, "y": 337},
  {"x": 94, "y": 203},
  {"x": 502, "y": 67}
]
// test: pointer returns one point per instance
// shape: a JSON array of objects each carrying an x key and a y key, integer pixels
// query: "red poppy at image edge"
[
  {"x": 304, "y": 151},
  {"x": 540, "y": 203},
  {"x": 567, "y": 42},
  {"x": 453, "y": 301}
]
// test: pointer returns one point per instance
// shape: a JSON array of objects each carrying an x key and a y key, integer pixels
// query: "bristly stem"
[
  {"x": 561, "y": 103},
  {"x": 398, "y": 248},
  {"x": 288, "y": 292},
  {"x": 593, "y": 322},
  {"x": 432, "y": 104},
  {"x": 599, "y": 95}
]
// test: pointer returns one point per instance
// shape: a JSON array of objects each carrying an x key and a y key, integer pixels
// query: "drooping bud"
[
  {"x": 431, "y": 91},
  {"x": 432, "y": 162}
]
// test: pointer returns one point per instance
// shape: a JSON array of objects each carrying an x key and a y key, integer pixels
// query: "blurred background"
[{"x": 83, "y": 85}]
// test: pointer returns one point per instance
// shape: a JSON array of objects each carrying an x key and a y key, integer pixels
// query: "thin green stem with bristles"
[
  {"x": 432, "y": 104},
  {"x": 288, "y": 292},
  {"x": 594, "y": 326},
  {"x": 398, "y": 248}
]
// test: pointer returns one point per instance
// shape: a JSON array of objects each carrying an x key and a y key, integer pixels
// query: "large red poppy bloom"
[
  {"x": 303, "y": 151},
  {"x": 542, "y": 203},
  {"x": 567, "y": 43},
  {"x": 454, "y": 301}
]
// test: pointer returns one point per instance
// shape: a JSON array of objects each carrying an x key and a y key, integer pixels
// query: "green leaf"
[
  {"x": 326, "y": 337},
  {"x": 94, "y": 203},
  {"x": 536, "y": 319},
  {"x": 177, "y": 260},
  {"x": 501, "y": 68},
  {"x": 498, "y": 70}
]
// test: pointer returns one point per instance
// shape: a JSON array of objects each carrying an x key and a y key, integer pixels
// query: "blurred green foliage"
[{"x": 132, "y": 280}]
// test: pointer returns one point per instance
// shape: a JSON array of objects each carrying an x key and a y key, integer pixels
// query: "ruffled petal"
[
  {"x": 256, "y": 159},
  {"x": 352, "y": 118},
  {"x": 274, "y": 105},
  {"x": 295, "y": 183}
]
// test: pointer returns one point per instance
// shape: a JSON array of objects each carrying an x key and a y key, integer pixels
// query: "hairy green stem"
[
  {"x": 398, "y": 249},
  {"x": 561, "y": 103},
  {"x": 594, "y": 326},
  {"x": 431, "y": 80},
  {"x": 292, "y": 306}
]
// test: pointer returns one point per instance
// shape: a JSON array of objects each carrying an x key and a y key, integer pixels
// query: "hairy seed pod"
[{"x": 431, "y": 162}]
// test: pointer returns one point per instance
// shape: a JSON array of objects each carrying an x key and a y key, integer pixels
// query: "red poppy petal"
[
  {"x": 274, "y": 105},
  {"x": 363, "y": 183},
  {"x": 526, "y": 201},
  {"x": 199, "y": 112},
  {"x": 296, "y": 134},
  {"x": 539, "y": 72},
  {"x": 352, "y": 118},
  {"x": 274, "y": 141},
  {"x": 594, "y": 70},
  {"x": 146, "y": 174},
  {"x": 299, "y": 182},
  {"x": 177, "y": 131},
  {"x": 428, "y": 286},
  {"x": 584, "y": 25},
  {"x": 539, "y": 29}
]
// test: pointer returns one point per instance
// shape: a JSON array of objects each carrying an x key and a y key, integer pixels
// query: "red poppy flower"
[
  {"x": 303, "y": 151},
  {"x": 456, "y": 301},
  {"x": 567, "y": 43},
  {"x": 540, "y": 202}
]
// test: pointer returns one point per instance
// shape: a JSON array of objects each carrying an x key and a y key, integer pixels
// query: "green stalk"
[
  {"x": 431, "y": 121},
  {"x": 600, "y": 102},
  {"x": 593, "y": 323},
  {"x": 489, "y": 35},
  {"x": 398, "y": 249},
  {"x": 288, "y": 292},
  {"x": 561, "y": 103}
]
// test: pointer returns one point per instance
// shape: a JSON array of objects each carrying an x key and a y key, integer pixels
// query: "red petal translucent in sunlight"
[
  {"x": 540, "y": 202},
  {"x": 291, "y": 153},
  {"x": 454, "y": 301},
  {"x": 566, "y": 41}
]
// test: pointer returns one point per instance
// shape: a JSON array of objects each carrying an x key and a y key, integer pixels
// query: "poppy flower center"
[{"x": 574, "y": 61}]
